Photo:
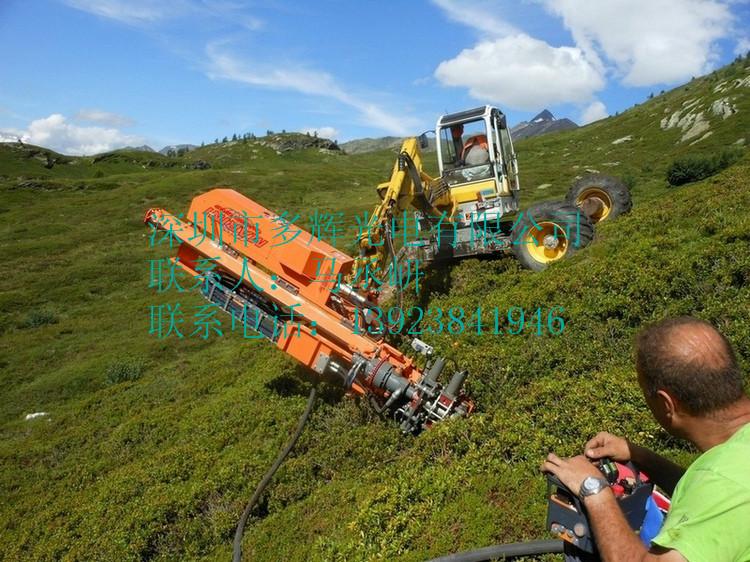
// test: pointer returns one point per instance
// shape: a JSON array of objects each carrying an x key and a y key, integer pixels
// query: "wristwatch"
[{"x": 591, "y": 486}]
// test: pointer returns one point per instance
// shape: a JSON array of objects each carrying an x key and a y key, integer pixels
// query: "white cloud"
[
  {"x": 324, "y": 132},
  {"x": 522, "y": 72},
  {"x": 742, "y": 47},
  {"x": 595, "y": 111},
  {"x": 510, "y": 67},
  {"x": 142, "y": 13},
  {"x": 479, "y": 14},
  {"x": 423, "y": 81},
  {"x": 642, "y": 42},
  {"x": 252, "y": 23},
  {"x": 133, "y": 12},
  {"x": 103, "y": 118},
  {"x": 11, "y": 135},
  {"x": 648, "y": 41},
  {"x": 57, "y": 133},
  {"x": 223, "y": 65}
]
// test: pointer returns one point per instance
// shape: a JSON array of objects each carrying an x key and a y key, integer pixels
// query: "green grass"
[{"x": 152, "y": 446}]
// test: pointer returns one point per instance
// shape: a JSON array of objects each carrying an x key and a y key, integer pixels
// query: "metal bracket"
[
  {"x": 321, "y": 363},
  {"x": 421, "y": 347}
]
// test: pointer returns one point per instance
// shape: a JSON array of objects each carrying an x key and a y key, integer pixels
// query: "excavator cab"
[
  {"x": 477, "y": 161},
  {"x": 478, "y": 185}
]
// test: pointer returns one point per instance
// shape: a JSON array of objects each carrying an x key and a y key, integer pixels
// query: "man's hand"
[
  {"x": 571, "y": 472},
  {"x": 662, "y": 472},
  {"x": 605, "y": 444}
]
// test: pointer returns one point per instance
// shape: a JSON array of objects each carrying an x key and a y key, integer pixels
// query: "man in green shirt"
[{"x": 693, "y": 386}]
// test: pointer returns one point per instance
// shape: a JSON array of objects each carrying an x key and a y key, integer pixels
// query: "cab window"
[
  {"x": 457, "y": 141},
  {"x": 466, "y": 153}
]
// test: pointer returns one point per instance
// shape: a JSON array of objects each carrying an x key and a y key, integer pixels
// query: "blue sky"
[{"x": 92, "y": 75}]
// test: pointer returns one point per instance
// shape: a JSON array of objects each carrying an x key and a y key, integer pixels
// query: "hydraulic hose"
[
  {"x": 283, "y": 453},
  {"x": 394, "y": 262},
  {"x": 504, "y": 551}
]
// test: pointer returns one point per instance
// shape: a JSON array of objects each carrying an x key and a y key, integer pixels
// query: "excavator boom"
[{"x": 409, "y": 188}]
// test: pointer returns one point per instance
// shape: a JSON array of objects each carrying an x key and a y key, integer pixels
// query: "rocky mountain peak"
[
  {"x": 542, "y": 123},
  {"x": 545, "y": 115}
]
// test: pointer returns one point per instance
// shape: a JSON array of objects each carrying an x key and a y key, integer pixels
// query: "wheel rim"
[
  {"x": 547, "y": 243},
  {"x": 600, "y": 198}
]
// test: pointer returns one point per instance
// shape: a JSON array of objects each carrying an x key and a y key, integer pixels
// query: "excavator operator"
[{"x": 476, "y": 151}]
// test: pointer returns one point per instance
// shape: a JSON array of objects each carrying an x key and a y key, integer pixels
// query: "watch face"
[{"x": 591, "y": 485}]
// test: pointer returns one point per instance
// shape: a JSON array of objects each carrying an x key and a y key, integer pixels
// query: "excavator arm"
[
  {"x": 289, "y": 289},
  {"x": 408, "y": 188}
]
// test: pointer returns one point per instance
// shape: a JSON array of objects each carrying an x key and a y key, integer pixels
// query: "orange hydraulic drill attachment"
[{"x": 281, "y": 283}]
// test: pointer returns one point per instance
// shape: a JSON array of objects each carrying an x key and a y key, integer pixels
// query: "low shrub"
[
  {"x": 37, "y": 318},
  {"x": 629, "y": 179},
  {"x": 696, "y": 167},
  {"x": 124, "y": 370}
]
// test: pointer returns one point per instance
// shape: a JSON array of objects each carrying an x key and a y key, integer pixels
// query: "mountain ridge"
[{"x": 541, "y": 124}]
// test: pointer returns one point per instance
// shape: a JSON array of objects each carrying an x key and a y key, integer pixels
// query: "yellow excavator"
[{"x": 472, "y": 207}]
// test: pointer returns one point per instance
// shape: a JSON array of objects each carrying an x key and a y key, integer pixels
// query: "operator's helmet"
[{"x": 477, "y": 155}]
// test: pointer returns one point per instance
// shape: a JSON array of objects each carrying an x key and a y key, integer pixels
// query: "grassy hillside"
[{"x": 159, "y": 467}]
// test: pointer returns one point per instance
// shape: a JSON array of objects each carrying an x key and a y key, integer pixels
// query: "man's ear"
[{"x": 667, "y": 405}]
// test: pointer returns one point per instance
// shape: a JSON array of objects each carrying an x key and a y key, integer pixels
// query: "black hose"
[
  {"x": 237, "y": 556},
  {"x": 504, "y": 551},
  {"x": 396, "y": 272},
  {"x": 420, "y": 199}
]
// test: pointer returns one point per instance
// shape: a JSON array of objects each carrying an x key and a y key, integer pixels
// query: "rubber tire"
[
  {"x": 619, "y": 193},
  {"x": 558, "y": 211}
]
